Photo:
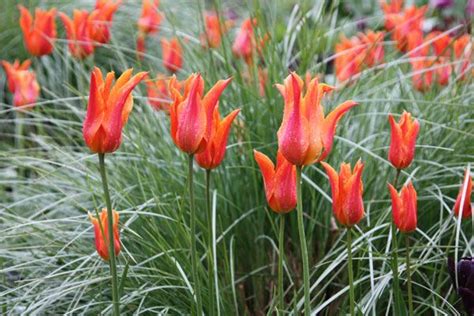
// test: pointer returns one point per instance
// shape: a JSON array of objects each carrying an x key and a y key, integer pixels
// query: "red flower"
[
  {"x": 108, "y": 109},
  {"x": 212, "y": 36},
  {"x": 150, "y": 17},
  {"x": 279, "y": 182},
  {"x": 158, "y": 92},
  {"x": 403, "y": 140},
  {"x": 347, "y": 192},
  {"x": 463, "y": 52},
  {"x": 101, "y": 20},
  {"x": 390, "y": 9},
  {"x": 10, "y": 70},
  {"x": 39, "y": 33},
  {"x": 464, "y": 196},
  {"x": 78, "y": 31},
  {"x": 172, "y": 54},
  {"x": 404, "y": 210},
  {"x": 245, "y": 43},
  {"x": 101, "y": 233},
  {"x": 410, "y": 20},
  {"x": 22, "y": 83}
]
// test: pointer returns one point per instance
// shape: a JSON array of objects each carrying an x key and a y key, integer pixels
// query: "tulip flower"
[
  {"x": 349, "y": 57},
  {"x": 101, "y": 20},
  {"x": 10, "y": 70},
  {"x": 347, "y": 192},
  {"x": 279, "y": 182},
  {"x": 148, "y": 23},
  {"x": 108, "y": 109},
  {"x": 305, "y": 135},
  {"x": 22, "y": 83},
  {"x": 409, "y": 20},
  {"x": 78, "y": 31},
  {"x": 463, "y": 52},
  {"x": 404, "y": 211},
  {"x": 191, "y": 114},
  {"x": 214, "y": 153},
  {"x": 403, "y": 140},
  {"x": 101, "y": 232},
  {"x": 374, "y": 51},
  {"x": 158, "y": 92},
  {"x": 390, "y": 9},
  {"x": 212, "y": 36},
  {"x": 465, "y": 281},
  {"x": 245, "y": 42},
  {"x": 39, "y": 33},
  {"x": 464, "y": 196},
  {"x": 172, "y": 54}
]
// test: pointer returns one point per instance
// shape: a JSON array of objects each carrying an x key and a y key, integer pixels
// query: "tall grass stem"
[
  {"x": 281, "y": 254},
  {"x": 210, "y": 254},
  {"x": 350, "y": 272}
]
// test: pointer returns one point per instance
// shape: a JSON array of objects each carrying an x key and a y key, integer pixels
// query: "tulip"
[
  {"x": 404, "y": 211},
  {"x": 245, "y": 42},
  {"x": 22, "y": 83},
  {"x": 10, "y": 70},
  {"x": 101, "y": 232},
  {"x": 464, "y": 196},
  {"x": 347, "y": 192},
  {"x": 279, "y": 182},
  {"x": 390, "y": 9},
  {"x": 39, "y": 33},
  {"x": 463, "y": 50},
  {"x": 374, "y": 51},
  {"x": 191, "y": 114},
  {"x": 212, "y": 36},
  {"x": 172, "y": 54},
  {"x": 410, "y": 20},
  {"x": 158, "y": 92},
  {"x": 403, "y": 140},
  {"x": 349, "y": 57},
  {"x": 305, "y": 135},
  {"x": 101, "y": 19},
  {"x": 108, "y": 109},
  {"x": 465, "y": 281},
  {"x": 150, "y": 17},
  {"x": 78, "y": 31}
]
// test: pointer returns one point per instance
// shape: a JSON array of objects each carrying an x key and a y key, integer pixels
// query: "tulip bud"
[
  {"x": 172, "y": 54},
  {"x": 101, "y": 232},
  {"x": 404, "y": 210},
  {"x": 403, "y": 140},
  {"x": 39, "y": 33},
  {"x": 464, "y": 196},
  {"x": 22, "y": 83},
  {"x": 101, "y": 20},
  {"x": 78, "y": 31}
]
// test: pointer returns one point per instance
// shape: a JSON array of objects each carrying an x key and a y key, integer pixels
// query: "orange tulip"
[
  {"x": 245, "y": 43},
  {"x": 101, "y": 233},
  {"x": 404, "y": 211},
  {"x": 22, "y": 83},
  {"x": 374, "y": 50},
  {"x": 212, "y": 36},
  {"x": 403, "y": 140},
  {"x": 214, "y": 153},
  {"x": 390, "y": 9},
  {"x": 305, "y": 135},
  {"x": 464, "y": 196},
  {"x": 279, "y": 182},
  {"x": 150, "y": 17},
  {"x": 348, "y": 58},
  {"x": 108, "y": 109},
  {"x": 347, "y": 189},
  {"x": 101, "y": 20},
  {"x": 172, "y": 54},
  {"x": 410, "y": 20},
  {"x": 191, "y": 114},
  {"x": 39, "y": 33},
  {"x": 158, "y": 92},
  {"x": 78, "y": 31},
  {"x": 423, "y": 74},
  {"x": 463, "y": 52}
]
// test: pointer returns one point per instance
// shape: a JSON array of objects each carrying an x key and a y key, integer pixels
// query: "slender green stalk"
[
  {"x": 304, "y": 250},
  {"x": 410, "y": 295},
  {"x": 210, "y": 254},
  {"x": 396, "y": 284},
  {"x": 349, "y": 268},
  {"x": 19, "y": 126},
  {"x": 110, "y": 224},
  {"x": 281, "y": 254},
  {"x": 194, "y": 258}
]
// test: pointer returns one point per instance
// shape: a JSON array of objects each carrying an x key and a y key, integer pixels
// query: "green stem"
[
  {"x": 19, "y": 138},
  {"x": 281, "y": 254},
  {"x": 110, "y": 224},
  {"x": 396, "y": 284},
  {"x": 210, "y": 255},
  {"x": 349, "y": 268},
  {"x": 194, "y": 258},
  {"x": 410, "y": 295},
  {"x": 304, "y": 250}
]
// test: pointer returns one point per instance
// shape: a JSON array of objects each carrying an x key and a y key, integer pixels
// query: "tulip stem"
[
  {"x": 349, "y": 270},
  {"x": 304, "y": 250},
  {"x": 410, "y": 295},
  {"x": 281, "y": 254},
  {"x": 396, "y": 284},
  {"x": 194, "y": 259},
  {"x": 210, "y": 255},
  {"x": 110, "y": 223}
]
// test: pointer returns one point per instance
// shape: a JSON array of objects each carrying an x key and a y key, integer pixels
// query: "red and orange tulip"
[
  {"x": 158, "y": 92},
  {"x": 403, "y": 140},
  {"x": 101, "y": 20},
  {"x": 305, "y": 135},
  {"x": 10, "y": 70},
  {"x": 39, "y": 33},
  {"x": 212, "y": 36},
  {"x": 22, "y": 83},
  {"x": 374, "y": 50},
  {"x": 279, "y": 182},
  {"x": 245, "y": 42},
  {"x": 464, "y": 196},
  {"x": 404, "y": 209},
  {"x": 108, "y": 109},
  {"x": 150, "y": 18},
  {"x": 78, "y": 31},
  {"x": 101, "y": 233},
  {"x": 347, "y": 189},
  {"x": 463, "y": 52},
  {"x": 191, "y": 114},
  {"x": 410, "y": 20},
  {"x": 172, "y": 54},
  {"x": 390, "y": 9}
]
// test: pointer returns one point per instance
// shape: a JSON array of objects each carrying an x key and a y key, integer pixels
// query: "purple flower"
[
  {"x": 441, "y": 4},
  {"x": 465, "y": 271}
]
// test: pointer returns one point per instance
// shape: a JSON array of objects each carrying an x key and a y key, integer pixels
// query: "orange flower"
[
  {"x": 212, "y": 36},
  {"x": 39, "y": 33},
  {"x": 172, "y": 54},
  {"x": 464, "y": 196},
  {"x": 214, "y": 153},
  {"x": 421, "y": 64},
  {"x": 78, "y": 31},
  {"x": 158, "y": 92},
  {"x": 403, "y": 140},
  {"x": 245, "y": 43},
  {"x": 150, "y": 18},
  {"x": 349, "y": 57},
  {"x": 305, "y": 135},
  {"x": 101, "y": 20},
  {"x": 374, "y": 51},
  {"x": 101, "y": 233},
  {"x": 463, "y": 52},
  {"x": 347, "y": 192},
  {"x": 393, "y": 8},
  {"x": 108, "y": 109},
  {"x": 404, "y": 211},
  {"x": 410, "y": 20},
  {"x": 191, "y": 114},
  {"x": 279, "y": 182},
  {"x": 22, "y": 83}
]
